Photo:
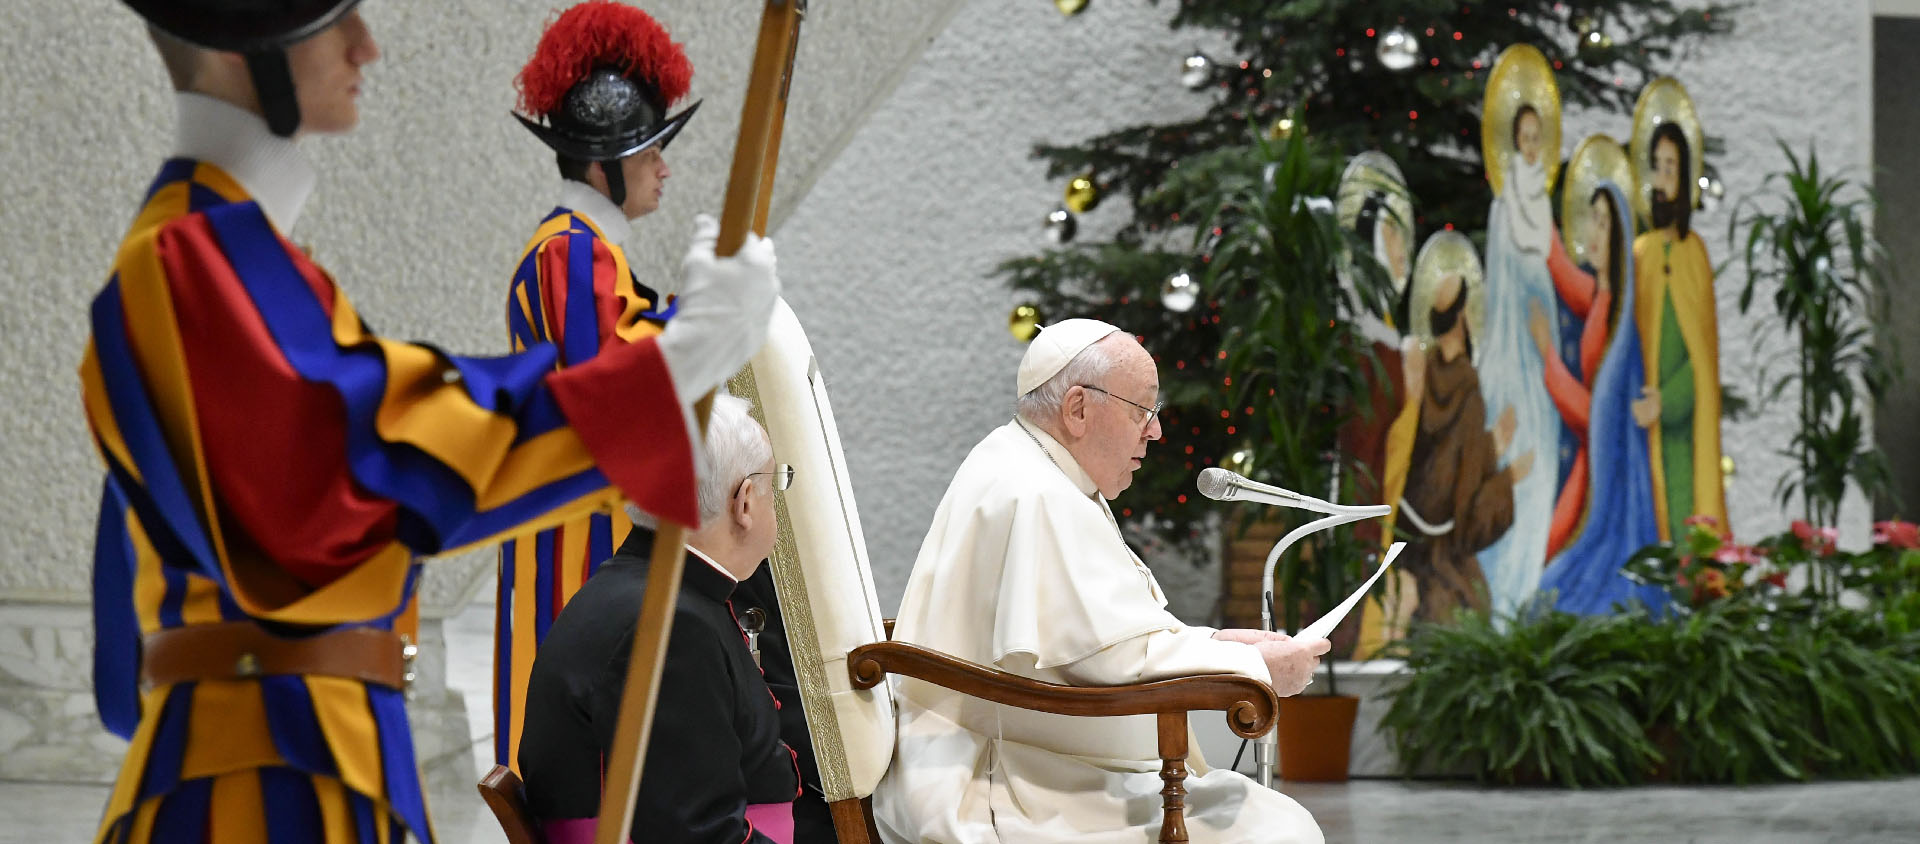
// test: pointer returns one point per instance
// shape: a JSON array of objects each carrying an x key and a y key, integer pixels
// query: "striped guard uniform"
[
  {"x": 573, "y": 289},
  {"x": 269, "y": 459}
]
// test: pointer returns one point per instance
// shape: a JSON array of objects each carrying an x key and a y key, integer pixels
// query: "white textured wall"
[
  {"x": 886, "y": 244},
  {"x": 420, "y": 214},
  {"x": 888, "y": 258}
]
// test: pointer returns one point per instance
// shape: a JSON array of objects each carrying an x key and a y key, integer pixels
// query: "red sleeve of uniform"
[{"x": 623, "y": 405}]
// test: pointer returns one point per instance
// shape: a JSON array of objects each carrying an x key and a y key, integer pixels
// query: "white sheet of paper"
[{"x": 1320, "y": 629}]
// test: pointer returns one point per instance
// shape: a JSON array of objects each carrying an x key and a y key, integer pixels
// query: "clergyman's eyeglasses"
[
  {"x": 1152, "y": 412},
  {"x": 782, "y": 476}
]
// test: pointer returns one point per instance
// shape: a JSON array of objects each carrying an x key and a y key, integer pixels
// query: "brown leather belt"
[{"x": 236, "y": 650}]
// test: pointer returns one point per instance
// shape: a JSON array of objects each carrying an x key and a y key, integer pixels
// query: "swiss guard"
[
  {"x": 597, "y": 91},
  {"x": 275, "y": 472}
]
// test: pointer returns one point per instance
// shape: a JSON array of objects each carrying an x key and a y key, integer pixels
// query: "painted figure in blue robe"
[{"x": 1587, "y": 577}]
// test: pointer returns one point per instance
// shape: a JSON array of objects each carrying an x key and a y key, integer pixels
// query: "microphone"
[{"x": 1222, "y": 485}]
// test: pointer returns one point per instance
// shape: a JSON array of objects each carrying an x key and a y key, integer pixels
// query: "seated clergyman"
[
  {"x": 716, "y": 769},
  {"x": 1025, "y": 569}
]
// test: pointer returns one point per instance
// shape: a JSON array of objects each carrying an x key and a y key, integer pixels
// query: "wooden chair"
[
  {"x": 501, "y": 789},
  {"x": 832, "y": 617},
  {"x": 1250, "y": 706}
]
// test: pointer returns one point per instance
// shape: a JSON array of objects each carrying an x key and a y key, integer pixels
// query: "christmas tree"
[{"x": 1225, "y": 266}]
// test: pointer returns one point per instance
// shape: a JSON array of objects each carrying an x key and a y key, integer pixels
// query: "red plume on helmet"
[{"x": 602, "y": 34}]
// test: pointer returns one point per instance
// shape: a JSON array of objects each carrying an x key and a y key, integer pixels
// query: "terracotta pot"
[{"x": 1316, "y": 737}]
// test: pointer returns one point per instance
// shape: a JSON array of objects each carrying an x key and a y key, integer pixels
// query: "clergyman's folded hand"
[{"x": 1290, "y": 663}]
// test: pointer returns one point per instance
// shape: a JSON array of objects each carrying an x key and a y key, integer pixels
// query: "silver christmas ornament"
[
  {"x": 1711, "y": 190},
  {"x": 1196, "y": 71},
  {"x": 1061, "y": 226},
  {"x": 1179, "y": 292},
  {"x": 1398, "y": 49}
]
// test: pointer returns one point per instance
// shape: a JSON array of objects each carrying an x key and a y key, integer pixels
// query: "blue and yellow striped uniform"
[
  {"x": 573, "y": 289},
  {"x": 269, "y": 459}
]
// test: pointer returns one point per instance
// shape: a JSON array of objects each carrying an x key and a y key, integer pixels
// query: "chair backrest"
[
  {"x": 819, "y": 562},
  {"x": 501, "y": 789}
]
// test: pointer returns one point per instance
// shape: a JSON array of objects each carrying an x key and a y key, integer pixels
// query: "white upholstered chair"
[{"x": 839, "y": 639}]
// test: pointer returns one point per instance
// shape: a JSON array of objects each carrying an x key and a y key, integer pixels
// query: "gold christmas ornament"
[
  {"x": 1281, "y": 129},
  {"x": 1447, "y": 253},
  {"x": 1726, "y": 465},
  {"x": 1664, "y": 100},
  {"x": 1082, "y": 194},
  {"x": 1024, "y": 322},
  {"x": 1521, "y": 77},
  {"x": 1594, "y": 46},
  {"x": 1597, "y": 160},
  {"x": 1070, "y": 7},
  {"x": 1240, "y": 461}
]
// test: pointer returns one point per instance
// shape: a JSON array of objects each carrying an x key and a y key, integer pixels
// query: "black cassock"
[
  {"x": 715, "y": 746},
  {"x": 812, "y": 822}
]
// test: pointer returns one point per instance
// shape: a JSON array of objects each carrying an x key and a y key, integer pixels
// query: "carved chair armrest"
[{"x": 1250, "y": 704}]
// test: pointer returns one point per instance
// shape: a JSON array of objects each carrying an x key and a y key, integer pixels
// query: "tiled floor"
[{"x": 1362, "y": 812}]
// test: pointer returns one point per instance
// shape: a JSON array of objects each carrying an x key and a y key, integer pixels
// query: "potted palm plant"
[
  {"x": 1808, "y": 236},
  {"x": 1301, "y": 373}
]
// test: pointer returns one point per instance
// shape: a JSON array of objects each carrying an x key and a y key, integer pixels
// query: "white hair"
[
  {"x": 1041, "y": 405},
  {"x": 735, "y": 446}
]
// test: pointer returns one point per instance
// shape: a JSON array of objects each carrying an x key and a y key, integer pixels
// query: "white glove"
[{"x": 725, "y": 307}]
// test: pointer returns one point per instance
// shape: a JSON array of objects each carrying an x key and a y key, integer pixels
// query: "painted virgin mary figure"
[
  {"x": 1612, "y": 466},
  {"x": 1585, "y": 274},
  {"x": 1520, "y": 140}
]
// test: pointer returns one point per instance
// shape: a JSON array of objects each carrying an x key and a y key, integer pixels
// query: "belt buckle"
[{"x": 409, "y": 654}]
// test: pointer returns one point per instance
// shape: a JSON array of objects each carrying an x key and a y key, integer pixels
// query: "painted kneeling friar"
[{"x": 1025, "y": 569}]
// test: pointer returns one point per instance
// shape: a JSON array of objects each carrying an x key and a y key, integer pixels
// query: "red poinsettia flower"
[
  {"x": 1896, "y": 533},
  {"x": 1821, "y": 541},
  {"x": 1778, "y": 578},
  {"x": 1702, "y": 519}
]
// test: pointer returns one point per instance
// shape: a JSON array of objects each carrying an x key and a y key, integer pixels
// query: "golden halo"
[
  {"x": 1446, "y": 253},
  {"x": 1368, "y": 174},
  {"x": 1598, "y": 159},
  {"x": 1664, "y": 100},
  {"x": 1521, "y": 76}
]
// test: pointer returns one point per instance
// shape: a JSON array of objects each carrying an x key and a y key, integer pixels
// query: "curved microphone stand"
[{"x": 1265, "y": 752}]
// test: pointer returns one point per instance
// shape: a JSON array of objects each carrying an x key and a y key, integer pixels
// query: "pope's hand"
[
  {"x": 1249, "y": 637},
  {"x": 1290, "y": 663},
  {"x": 725, "y": 307}
]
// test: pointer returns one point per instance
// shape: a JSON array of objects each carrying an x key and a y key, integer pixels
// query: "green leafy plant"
[
  {"x": 1807, "y": 238},
  {"x": 1552, "y": 698},
  {"x": 1731, "y": 692},
  {"x": 1722, "y": 703}
]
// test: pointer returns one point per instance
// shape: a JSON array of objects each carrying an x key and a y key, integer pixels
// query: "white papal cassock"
[{"x": 1025, "y": 569}]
